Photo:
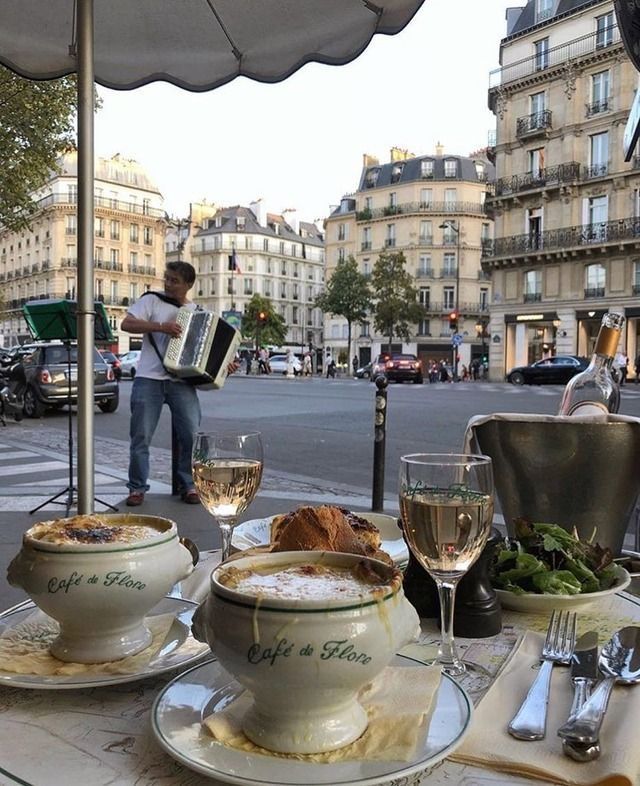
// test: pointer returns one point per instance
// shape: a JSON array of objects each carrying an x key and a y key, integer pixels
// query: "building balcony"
[
  {"x": 532, "y": 297},
  {"x": 425, "y": 272},
  {"x": 441, "y": 307},
  {"x": 390, "y": 242},
  {"x": 598, "y": 107},
  {"x": 560, "y": 242},
  {"x": 635, "y": 289},
  {"x": 593, "y": 292},
  {"x": 550, "y": 176},
  {"x": 536, "y": 124},
  {"x": 596, "y": 170},
  {"x": 447, "y": 272},
  {"x": 574, "y": 51},
  {"x": 365, "y": 245},
  {"x": 103, "y": 202},
  {"x": 69, "y": 262},
  {"x": 427, "y": 208}
]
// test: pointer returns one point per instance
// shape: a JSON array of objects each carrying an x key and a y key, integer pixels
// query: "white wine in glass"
[
  {"x": 227, "y": 470},
  {"x": 446, "y": 502}
]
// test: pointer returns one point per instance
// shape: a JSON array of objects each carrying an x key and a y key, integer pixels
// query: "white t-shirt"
[{"x": 152, "y": 309}]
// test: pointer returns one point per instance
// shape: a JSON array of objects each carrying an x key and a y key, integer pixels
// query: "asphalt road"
[{"x": 324, "y": 429}]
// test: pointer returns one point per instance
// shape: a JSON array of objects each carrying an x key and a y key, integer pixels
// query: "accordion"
[{"x": 204, "y": 349}]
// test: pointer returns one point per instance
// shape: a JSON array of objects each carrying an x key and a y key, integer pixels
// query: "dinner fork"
[{"x": 530, "y": 722}]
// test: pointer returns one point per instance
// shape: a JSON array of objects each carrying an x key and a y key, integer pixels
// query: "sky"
[{"x": 299, "y": 143}]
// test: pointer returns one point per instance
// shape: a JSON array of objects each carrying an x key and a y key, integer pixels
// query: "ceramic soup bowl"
[
  {"x": 97, "y": 576},
  {"x": 302, "y": 643}
]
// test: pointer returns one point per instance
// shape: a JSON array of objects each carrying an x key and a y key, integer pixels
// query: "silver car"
[
  {"x": 129, "y": 363},
  {"x": 278, "y": 364}
]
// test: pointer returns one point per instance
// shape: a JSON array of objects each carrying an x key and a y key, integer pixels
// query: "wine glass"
[
  {"x": 227, "y": 470},
  {"x": 446, "y": 503}
]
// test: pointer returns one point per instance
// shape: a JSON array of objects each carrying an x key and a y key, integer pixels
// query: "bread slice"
[{"x": 322, "y": 528}]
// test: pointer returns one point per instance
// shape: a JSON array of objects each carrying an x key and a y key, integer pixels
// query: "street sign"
[{"x": 456, "y": 340}]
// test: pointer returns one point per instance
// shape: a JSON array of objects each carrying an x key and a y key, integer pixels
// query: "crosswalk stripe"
[{"x": 41, "y": 466}]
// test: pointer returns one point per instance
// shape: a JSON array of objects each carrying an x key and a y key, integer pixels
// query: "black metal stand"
[{"x": 70, "y": 490}]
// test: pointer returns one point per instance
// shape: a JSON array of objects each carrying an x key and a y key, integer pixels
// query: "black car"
[
  {"x": 548, "y": 371},
  {"x": 364, "y": 372},
  {"x": 399, "y": 367},
  {"x": 51, "y": 378}
]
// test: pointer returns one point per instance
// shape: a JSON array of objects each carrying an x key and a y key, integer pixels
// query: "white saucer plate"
[
  {"x": 256, "y": 532},
  {"x": 178, "y": 711},
  {"x": 172, "y": 654}
]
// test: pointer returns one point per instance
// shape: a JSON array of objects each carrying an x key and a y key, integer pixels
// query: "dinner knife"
[{"x": 584, "y": 669}]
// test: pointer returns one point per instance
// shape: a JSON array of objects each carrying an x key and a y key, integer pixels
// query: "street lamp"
[
  {"x": 180, "y": 224},
  {"x": 451, "y": 226}
]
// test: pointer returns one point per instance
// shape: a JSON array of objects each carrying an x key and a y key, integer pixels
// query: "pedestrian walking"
[
  {"x": 331, "y": 369},
  {"x": 355, "y": 363},
  {"x": 637, "y": 368},
  {"x": 307, "y": 366}
]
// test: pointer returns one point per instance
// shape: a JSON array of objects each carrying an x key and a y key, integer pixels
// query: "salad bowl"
[{"x": 537, "y": 603}]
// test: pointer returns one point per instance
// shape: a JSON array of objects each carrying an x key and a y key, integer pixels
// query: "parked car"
[
  {"x": 113, "y": 361},
  {"x": 398, "y": 367},
  {"x": 129, "y": 363},
  {"x": 551, "y": 371},
  {"x": 278, "y": 364},
  {"x": 51, "y": 374},
  {"x": 364, "y": 372}
]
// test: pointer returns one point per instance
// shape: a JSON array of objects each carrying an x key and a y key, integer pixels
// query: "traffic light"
[{"x": 453, "y": 320}]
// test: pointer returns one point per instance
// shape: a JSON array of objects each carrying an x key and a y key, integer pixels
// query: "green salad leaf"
[{"x": 545, "y": 558}]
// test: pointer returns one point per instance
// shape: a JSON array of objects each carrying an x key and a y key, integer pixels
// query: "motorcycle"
[{"x": 12, "y": 387}]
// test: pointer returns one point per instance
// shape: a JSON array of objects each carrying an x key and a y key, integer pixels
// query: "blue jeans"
[{"x": 147, "y": 399}]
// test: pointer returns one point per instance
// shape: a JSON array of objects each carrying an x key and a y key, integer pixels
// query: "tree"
[
  {"x": 36, "y": 127},
  {"x": 262, "y": 323},
  {"x": 347, "y": 294},
  {"x": 396, "y": 304}
]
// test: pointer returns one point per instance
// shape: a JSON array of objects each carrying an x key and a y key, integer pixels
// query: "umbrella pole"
[{"x": 86, "y": 312}]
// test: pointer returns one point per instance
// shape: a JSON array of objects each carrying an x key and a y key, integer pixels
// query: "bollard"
[{"x": 379, "y": 439}]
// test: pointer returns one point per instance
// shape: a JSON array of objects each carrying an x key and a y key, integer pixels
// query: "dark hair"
[{"x": 186, "y": 271}]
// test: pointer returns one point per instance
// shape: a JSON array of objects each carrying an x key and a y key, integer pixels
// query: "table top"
[{"x": 106, "y": 730}]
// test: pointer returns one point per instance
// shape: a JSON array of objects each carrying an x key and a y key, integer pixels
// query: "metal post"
[
  {"x": 86, "y": 312},
  {"x": 456, "y": 378},
  {"x": 379, "y": 442}
]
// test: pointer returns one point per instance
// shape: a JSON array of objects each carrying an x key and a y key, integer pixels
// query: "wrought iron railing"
[
  {"x": 113, "y": 204},
  {"x": 556, "y": 56},
  {"x": 475, "y": 208},
  {"x": 532, "y": 297},
  {"x": 595, "y": 170},
  {"x": 597, "y": 107},
  {"x": 531, "y": 124},
  {"x": 566, "y": 237},
  {"x": 591, "y": 292},
  {"x": 545, "y": 177}
]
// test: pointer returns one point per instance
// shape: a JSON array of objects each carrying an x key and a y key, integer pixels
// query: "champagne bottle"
[{"x": 594, "y": 391}]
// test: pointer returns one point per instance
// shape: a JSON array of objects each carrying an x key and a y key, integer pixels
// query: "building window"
[
  {"x": 537, "y": 104},
  {"x": 484, "y": 299},
  {"x": 371, "y": 178},
  {"x": 597, "y": 210},
  {"x": 544, "y": 10},
  {"x": 393, "y": 199},
  {"x": 366, "y": 239},
  {"x": 133, "y": 233},
  {"x": 282, "y": 247},
  {"x": 424, "y": 265},
  {"x": 146, "y": 205},
  {"x": 294, "y": 315},
  {"x": 424, "y": 296},
  {"x": 114, "y": 256},
  {"x": 598, "y": 154},
  {"x": 536, "y": 162},
  {"x": 265, "y": 244},
  {"x": 450, "y": 168},
  {"x": 485, "y": 232},
  {"x": 368, "y": 203},
  {"x": 449, "y": 265},
  {"x": 449, "y": 235},
  {"x": 99, "y": 227},
  {"x": 532, "y": 286},
  {"x": 113, "y": 291},
  {"x": 71, "y": 225},
  {"x": 147, "y": 236},
  {"x": 133, "y": 291},
  {"x": 396, "y": 171},
  {"x": 450, "y": 198},
  {"x": 594, "y": 280},
  {"x": 342, "y": 232},
  {"x": 426, "y": 197},
  {"x": 541, "y": 49},
  {"x": 448, "y": 295},
  {"x": 133, "y": 260},
  {"x": 426, "y": 168},
  {"x": 604, "y": 30},
  {"x": 424, "y": 327},
  {"x": 426, "y": 232},
  {"x": 114, "y": 230},
  {"x": 240, "y": 223},
  {"x": 600, "y": 92},
  {"x": 341, "y": 254},
  {"x": 248, "y": 286},
  {"x": 636, "y": 277},
  {"x": 283, "y": 291},
  {"x": 390, "y": 240},
  {"x": 72, "y": 193}
]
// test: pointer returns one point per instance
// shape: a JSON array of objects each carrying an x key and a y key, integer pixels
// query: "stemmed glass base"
[{"x": 226, "y": 533}]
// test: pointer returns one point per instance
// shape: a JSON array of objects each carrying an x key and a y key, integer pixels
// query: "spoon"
[{"x": 620, "y": 662}]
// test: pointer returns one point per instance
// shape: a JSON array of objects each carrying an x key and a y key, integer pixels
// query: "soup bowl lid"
[
  {"x": 99, "y": 525},
  {"x": 389, "y": 586}
]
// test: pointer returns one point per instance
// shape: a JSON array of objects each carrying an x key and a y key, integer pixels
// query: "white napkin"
[
  {"x": 399, "y": 703},
  {"x": 489, "y": 744}
]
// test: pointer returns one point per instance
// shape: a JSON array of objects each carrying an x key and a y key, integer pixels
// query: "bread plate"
[
  {"x": 534, "y": 603},
  {"x": 256, "y": 532}
]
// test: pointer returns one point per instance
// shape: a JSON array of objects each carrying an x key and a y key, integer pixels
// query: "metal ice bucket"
[{"x": 564, "y": 471}]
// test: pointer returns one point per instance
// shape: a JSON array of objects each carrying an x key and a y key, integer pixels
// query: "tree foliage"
[
  {"x": 274, "y": 329},
  {"x": 396, "y": 305},
  {"x": 347, "y": 294},
  {"x": 36, "y": 127}
]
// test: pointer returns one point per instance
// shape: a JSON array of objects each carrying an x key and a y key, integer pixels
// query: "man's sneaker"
[
  {"x": 191, "y": 497},
  {"x": 135, "y": 498}
]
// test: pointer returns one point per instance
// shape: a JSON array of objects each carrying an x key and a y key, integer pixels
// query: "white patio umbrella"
[{"x": 195, "y": 44}]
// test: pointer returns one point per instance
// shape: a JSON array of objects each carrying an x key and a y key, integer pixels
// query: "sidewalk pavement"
[{"x": 279, "y": 492}]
